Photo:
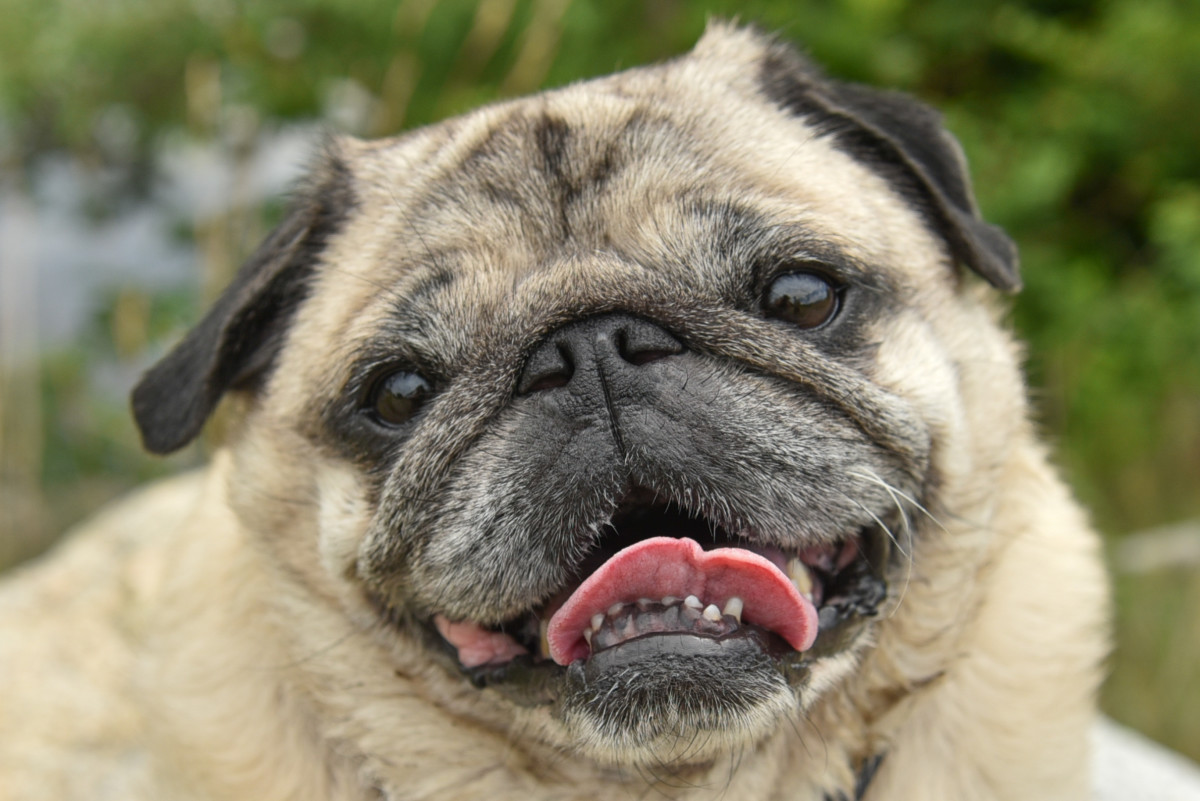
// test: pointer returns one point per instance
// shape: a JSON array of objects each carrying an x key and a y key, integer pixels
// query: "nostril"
[
  {"x": 546, "y": 382},
  {"x": 646, "y": 356},
  {"x": 550, "y": 367},
  {"x": 642, "y": 343}
]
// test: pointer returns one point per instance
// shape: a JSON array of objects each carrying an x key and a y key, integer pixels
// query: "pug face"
[{"x": 624, "y": 407}]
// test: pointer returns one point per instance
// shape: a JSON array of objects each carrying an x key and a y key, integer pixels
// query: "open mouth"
[{"x": 666, "y": 580}]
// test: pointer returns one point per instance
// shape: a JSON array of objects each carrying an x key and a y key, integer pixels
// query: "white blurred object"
[
  {"x": 1161, "y": 548},
  {"x": 1127, "y": 766}
]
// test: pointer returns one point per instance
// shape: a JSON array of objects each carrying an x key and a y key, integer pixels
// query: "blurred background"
[{"x": 147, "y": 145}]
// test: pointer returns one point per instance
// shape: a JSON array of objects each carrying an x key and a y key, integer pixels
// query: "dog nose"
[{"x": 607, "y": 346}]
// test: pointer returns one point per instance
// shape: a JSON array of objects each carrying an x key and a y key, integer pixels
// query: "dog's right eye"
[
  {"x": 805, "y": 299},
  {"x": 397, "y": 396}
]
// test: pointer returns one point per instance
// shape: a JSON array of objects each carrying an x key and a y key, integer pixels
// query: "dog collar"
[{"x": 866, "y": 772}]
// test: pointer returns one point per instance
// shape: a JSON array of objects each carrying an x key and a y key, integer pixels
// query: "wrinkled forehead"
[{"x": 663, "y": 169}]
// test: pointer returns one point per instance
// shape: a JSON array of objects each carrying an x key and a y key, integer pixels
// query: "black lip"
[
  {"x": 632, "y": 653},
  {"x": 854, "y": 597}
]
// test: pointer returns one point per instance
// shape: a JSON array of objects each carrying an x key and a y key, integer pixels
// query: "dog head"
[{"x": 626, "y": 405}]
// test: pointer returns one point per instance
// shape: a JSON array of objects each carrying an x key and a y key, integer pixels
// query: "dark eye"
[
  {"x": 397, "y": 396},
  {"x": 804, "y": 299}
]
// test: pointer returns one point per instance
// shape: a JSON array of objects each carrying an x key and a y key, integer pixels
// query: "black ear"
[
  {"x": 237, "y": 341},
  {"x": 903, "y": 140}
]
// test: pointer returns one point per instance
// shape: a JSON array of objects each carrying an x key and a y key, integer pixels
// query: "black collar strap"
[{"x": 866, "y": 772}]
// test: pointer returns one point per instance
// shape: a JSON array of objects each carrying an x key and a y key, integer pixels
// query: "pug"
[{"x": 658, "y": 435}]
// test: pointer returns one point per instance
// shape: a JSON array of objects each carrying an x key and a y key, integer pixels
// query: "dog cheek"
[
  {"x": 912, "y": 364},
  {"x": 343, "y": 516},
  {"x": 484, "y": 576}
]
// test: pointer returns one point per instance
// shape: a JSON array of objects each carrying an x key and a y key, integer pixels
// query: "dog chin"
[{"x": 674, "y": 700}]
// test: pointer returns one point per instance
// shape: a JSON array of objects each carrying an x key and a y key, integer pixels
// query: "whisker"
[
  {"x": 875, "y": 479},
  {"x": 887, "y": 530},
  {"x": 896, "y": 495},
  {"x": 908, "y": 560}
]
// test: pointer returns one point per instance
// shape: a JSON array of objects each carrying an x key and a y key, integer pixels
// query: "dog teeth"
[
  {"x": 543, "y": 639},
  {"x": 733, "y": 608},
  {"x": 798, "y": 572},
  {"x": 626, "y": 620}
]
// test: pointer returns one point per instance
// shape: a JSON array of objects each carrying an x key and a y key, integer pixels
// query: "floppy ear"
[
  {"x": 236, "y": 343},
  {"x": 904, "y": 141}
]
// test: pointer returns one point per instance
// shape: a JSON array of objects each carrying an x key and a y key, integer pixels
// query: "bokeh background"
[{"x": 145, "y": 147}]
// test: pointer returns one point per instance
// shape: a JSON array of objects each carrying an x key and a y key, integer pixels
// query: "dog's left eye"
[
  {"x": 805, "y": 299},
  {"x": 397, "y": 396}
]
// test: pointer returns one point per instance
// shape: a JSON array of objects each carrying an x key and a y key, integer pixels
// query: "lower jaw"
[{"x": 675, "y": 702}]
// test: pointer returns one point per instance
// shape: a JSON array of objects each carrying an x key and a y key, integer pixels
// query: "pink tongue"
[{"x": 664, "y": 566}]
